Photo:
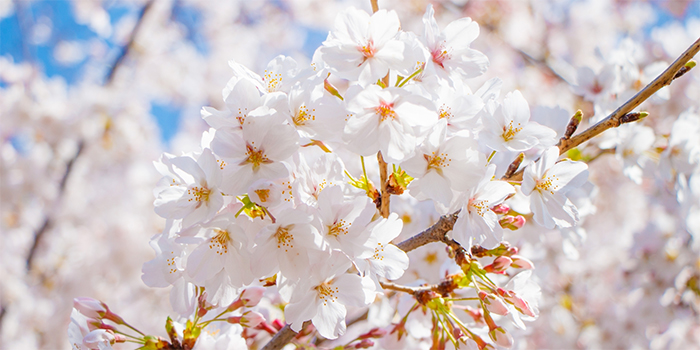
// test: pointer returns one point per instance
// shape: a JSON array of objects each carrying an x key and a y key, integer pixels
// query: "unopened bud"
[
  {"x": 501, "y": 209},
  {"x": 373, "y": 333},
  {"x": 201, "y": 311},
  {"x": 90, "y": 308},
  {"x": 93, "y": 308},
  {"x": 252, "y": 296},
  {"x": 364, "y": 344},
  {"x": 501, "y": 337},
  {"x": 249, "y": 319},
  {"x": 519, "y": 303},
  {"x": 512, "y": 222},
  {"x": 520, "y": 262},
  {"x": 278, "y": 324},
  {"x": 501, "y": 263},
  {"x": 493, "y": 303}
]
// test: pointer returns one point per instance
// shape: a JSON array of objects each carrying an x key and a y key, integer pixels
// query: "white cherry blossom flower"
[
  {"x": 280, "y": 75},
  {"x": 221, "y": 261},
  {"x": 323, "y": 294},
  {"x": 442, "y": 165},
  {"x": 449, "y": 49},
  {"x": 476, "y": 221},
  {"x": 190, "y": 189},
  {"x": 510, "y": 128},
  {"x": 547, "y": 182},
  {"x": 342, "y": 223},
  {"x": 381, "y": 258},
  {"x": 386, "y": 120},
  {"x": 243, "y": 98},
  {"x": 363, "y": 47},
  {"x": 286, "y": 245},
  {"x": 256, "y": 152}
]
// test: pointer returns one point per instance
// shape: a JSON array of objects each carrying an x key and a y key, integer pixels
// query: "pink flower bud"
[
  {"x": 364, "y": 344},
  {"x": 520, "y": 262},
  {"x": 373, "y": 333},
  {"x": 501, "y": 209},
  {"x": 519, "y": 303},
  {"x": 251, "y": 319},
  {"x": 493, "y": 303},
  {"x": 90, "y": 308},
  {"x": 501, "y": 337},
  {"x": 251, "y": 296},
  {"x": 512, "y": 222},
  {"x": 499, "y": 264}
]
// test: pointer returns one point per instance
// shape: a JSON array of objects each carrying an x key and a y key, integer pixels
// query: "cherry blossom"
[{"x": 547, "y": 182}]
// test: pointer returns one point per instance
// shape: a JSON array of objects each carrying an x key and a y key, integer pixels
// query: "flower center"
[
  {"x": 303, "y": 115},
  {"x": 199, "y": 194},
  {"x": 255, "y": 157},
  {"x": 284, "y": 238},
  {"x": 478, "y": 206},
  {"x": 272, "y": 80},
  {"x": 263, "y": 193},
  {"x": 242, "y": 114},
  {"x": 547, "y": 184},
  {"x": 510, "y": 131},
  {"x": 326, "y": 292},
  {"x": 378, "y": 252},
  {"x": 437, "y": 162},
  {"x": 219, "y": 243},
  {"x": 440, "y": 55},
  {"x": 386, "y": 110},
  {"x": 445, "y": 112},
  {"x": 338, "y": 228},
  {"x": 367, "y": 50}
]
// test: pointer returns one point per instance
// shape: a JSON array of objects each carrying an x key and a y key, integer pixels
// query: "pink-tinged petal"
[
  {"x": 529, "y": 180},
  {"x": 569, "y": 175},
  {"x": 461, "y": 32},
  {"x": 351, "y": 290},
  {"x": 298, "y": 312},
  {"x": 540, "y": 212},
  {"x": 543, "y": 135},
  {"x": 330, "y": 319},
  {"x": 563, "y": 212},
  {"x": 392, "y": 263},
  {"x": 432, "y": 31},
  {"x": 221, "y": 290},
  {"x": 383, "y": 26},
  {"x": 229, "y": 144},
  {"x": 495, "y": 192},
  {"x": 547, "y": 161},
  {"x": 515, "y": 108},
  {"x": 471, "y": 62},
  {"x": 437, "y": 187},
  {"x": 415, "y": 166}
]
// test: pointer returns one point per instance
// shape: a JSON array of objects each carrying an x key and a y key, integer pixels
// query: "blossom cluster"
[{"x": 269, "y": 195}]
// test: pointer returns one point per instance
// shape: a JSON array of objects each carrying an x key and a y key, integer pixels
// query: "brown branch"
[
  {"x": 375, "y": 5},
  {"x": 435, "y": 233},
  {"x": 282, "y": 337},
  {"x": 617, "y": 117},
  {"x": 384, "y": 200}
]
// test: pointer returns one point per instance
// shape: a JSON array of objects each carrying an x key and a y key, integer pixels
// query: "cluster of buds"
[{"x": 89, "y": 331}]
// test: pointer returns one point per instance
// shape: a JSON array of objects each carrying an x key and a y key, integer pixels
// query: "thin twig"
[
  {"x": 283, "y": 337},
  {"x": 435, "y": 233},
  {"x": 375, "y": 5},
  {"x": 384, "y": 200},
  {"x": 438, "y": 232},
  {"x": 614, "y": 119}
]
